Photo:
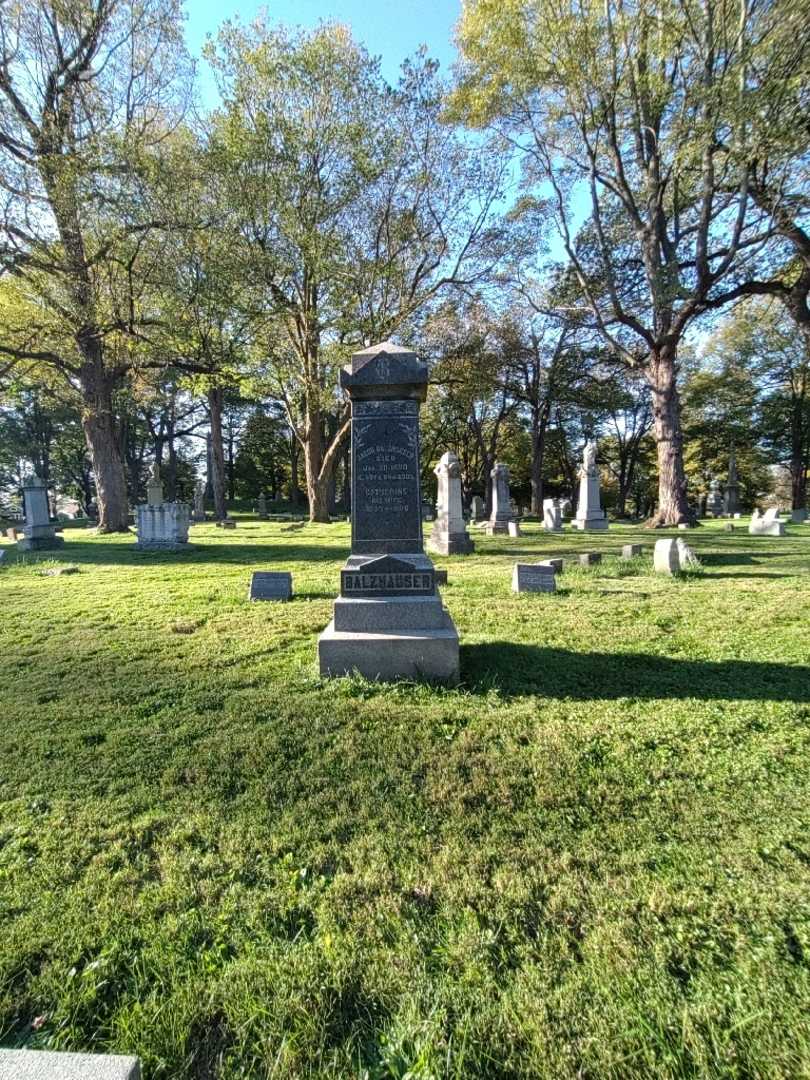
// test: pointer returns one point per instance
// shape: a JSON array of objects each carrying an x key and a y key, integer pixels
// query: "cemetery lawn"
[{"x": 592, "y": 859}]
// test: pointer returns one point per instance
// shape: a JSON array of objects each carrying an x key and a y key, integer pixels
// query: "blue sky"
[{"x": 389, "y": 29}]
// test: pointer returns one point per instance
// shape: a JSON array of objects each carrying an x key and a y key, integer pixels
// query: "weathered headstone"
[
  {"x": 728, "y": 527},
  {"x": 262, "y": 506},
  {"x": 666, "y": 559},
  {"x": 767, "y": 524},
  {"x": 590, "y": 515},
  {"x": 731, "y": 492},
  {"x": 514, "y": 528},
  {"x": 270, "y": 585},
  {"x": 590, "y": 558},
  {"x": 477, "y": 508},
  {"x": 714, "y": 500},
  {"x": 552, "y": 515},
  {"x": 631, "y": 551},
  {"x": 58, "y": 1065},
  {"x": 441, "y": 576},
  {"x": 533, "y": 577},
  {"x": 38, "y": 534},
  {"x": 389, "y": 622},
  {"x": 449, "y": 533},
  {"x": 501, "y": 503},
  {"x": 227, "y": 523},
  {"x": 161, "y": 526},
  {"x": 198, "y": 513}
]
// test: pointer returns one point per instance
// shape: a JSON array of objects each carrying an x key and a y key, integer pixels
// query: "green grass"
[{"x": 590, "y": 860}]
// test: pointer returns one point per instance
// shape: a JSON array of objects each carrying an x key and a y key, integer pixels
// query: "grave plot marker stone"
[
  {"x": 449, "y": 533},
  {"x": 38, "y": 534},
  {"x": 631, "y": 551},
  {"x": 590, "y": 515},
  {"x": 590, "y": 558},
  {"x": 666, "y": 559},
  {"x": 58, "y": 1065},
  {"x": 533, "y": 577},
  {"x": 552, "y": 515},
  {"x": 389, "y": 622},
  {"x": 514, "y": 528},
  {"x": 270, "y": 585},
  {"x": 767, "y": 524}
]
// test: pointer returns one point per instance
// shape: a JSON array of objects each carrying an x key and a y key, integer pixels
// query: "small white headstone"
[
  {"x": 631, "y": 551},
  {"x": 514, "y": 528},
  {"x": 533, "y": 577},
  {"x": 666, "y": 559},
  {"x": 686, "y": 557},
  {"x": 590, "y": 558}
]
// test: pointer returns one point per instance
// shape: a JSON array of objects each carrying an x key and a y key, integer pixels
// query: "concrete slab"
[
  {"x": 50, "y": 1065},
  {"x": 426, "y": 655}
]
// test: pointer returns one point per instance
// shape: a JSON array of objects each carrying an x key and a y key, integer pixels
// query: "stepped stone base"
[
  {"x": 422, "y": 654},
  {"x": 444, "y": 543},
  {"x": 590, "y": 524}
]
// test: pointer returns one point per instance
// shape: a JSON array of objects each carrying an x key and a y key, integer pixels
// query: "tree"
[
  {"x": 637, "y": 112},
  {"x": 90, "y": 91},
  {"x": 353, "y": 207}
]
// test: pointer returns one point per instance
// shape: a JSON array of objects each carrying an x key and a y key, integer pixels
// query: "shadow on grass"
[
  {"x": 198, "y": 551},
  {"x": 558, "y": 673}
]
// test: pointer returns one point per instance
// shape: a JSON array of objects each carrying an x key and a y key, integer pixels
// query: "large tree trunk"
[
  {"x": 317, "y": 482},
  {"x": 539, "y": 425},
  {"x": 662, "y": 379},
  {"x": 98, "y": 424},
  {"x": 216, "y": 397},
  {"x": 798, "y": 454}
]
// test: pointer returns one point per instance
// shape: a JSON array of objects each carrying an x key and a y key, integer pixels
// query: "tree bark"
[
  {"x": 673, "y": 507},
  {"x": 99, "y": 426},
  {"x": 216, "y": 397}
]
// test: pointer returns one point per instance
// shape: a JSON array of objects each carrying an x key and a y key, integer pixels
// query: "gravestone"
[
  {"x": 441, "y": 576},
  {"x": 198, "y": 514},
  {"x": 731, "y": 492},
  {"x": 767, "y": 524},
  {"x": 270, "y": 585},
  {"x": 57, "y": 1065},
  {"x": 631, "y": 551},
  {"x": 226, "y": 523},
  {"x": 501, "y": 503},
  {"x": 161, "y": 526},
  {"x": 38, "y": 533},
  {"x": 666, "y": 559},
  {"x": 552, "y": 515},
  {"x": 798, "y": 517},
  {"x": 590, "y": 515},
  {"x": 389, "y": 622},
  {"x": 514, "y": 528},
  {"x": 449, "y": 533},
  {"x": 262, "y": 507},
  {"x": 590, "y": 558},
  {"x": 533, "y": 577},
  {"x": 714, "y": 500},
  {"x": 477, "y": 508},
  {"x": 728, "y": 527}
]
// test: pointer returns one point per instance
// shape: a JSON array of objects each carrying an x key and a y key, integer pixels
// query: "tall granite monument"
[
  {"x": 502, "y": 513},
  {"x": 449, "y": 534},
  {"x": 590, "y": 515},
  {"x": 731, "y": 492},
  {"x": 38, "y": 534},
  {"x": 389, "y": 622}
]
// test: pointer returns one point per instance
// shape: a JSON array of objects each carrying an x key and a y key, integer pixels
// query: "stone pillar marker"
[
  {"x": 38, "y": 533},
  {"x": 714, "y": 500},
  {"x": 199, "y": 501},
  {"x": 389, "y": 622},
  {"x": 262, "y": 506},
  {"x": 731, "y": 494},
  {"x": 449, "y": 535},
  {"x": 161, "y": 526},
  {"x": 590, "y": 514},
  {"x": 477, "y": 508},
  {"x": 501, "y": 502},
  {"x": 552, "y": 515}
]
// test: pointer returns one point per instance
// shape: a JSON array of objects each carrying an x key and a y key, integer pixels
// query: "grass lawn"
[{"x": 590, "y": 860}]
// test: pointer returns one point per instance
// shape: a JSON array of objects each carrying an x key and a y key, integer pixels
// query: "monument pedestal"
[
  {"x": 162, "y": 528},
  {"x": 38, "y": 534},
  {"x": 39, "y": 538},
  {"x": 389, "y": 622},
  {"x": 590, "y": 515}
]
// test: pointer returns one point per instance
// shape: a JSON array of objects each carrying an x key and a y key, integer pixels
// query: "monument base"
[
  {"x": 39, "y": 543},
  {"x": 494, "y": 527},
  {"x": 592, "y": 524},
  {"x": 162, "y": 545},
  {"x": 447, "y": 543},
  {"x": 426, "y": 655}
]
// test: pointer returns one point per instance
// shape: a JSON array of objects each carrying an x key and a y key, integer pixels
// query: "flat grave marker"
[
  {"x": 533, "y": 577},
  {"x": 270, "y": 585}
]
